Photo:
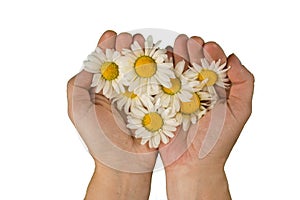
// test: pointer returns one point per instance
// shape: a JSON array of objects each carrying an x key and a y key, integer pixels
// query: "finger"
[
  {"x": 180, "y": 51},
  {"x": 140, "y": 39},
  {"x": 170, "y": 53},
  {"x": 99, "y": 99},
  {"x": 78, "y": 89},
  {"x": 213, "y": 52},
  {"x": 123, "y": 41},
  {"x": 70, "y": 87},
  {"x": 195, "y": 49},
  {"x": 107, "y": 40},
  {"x": 242, "y": 81}
]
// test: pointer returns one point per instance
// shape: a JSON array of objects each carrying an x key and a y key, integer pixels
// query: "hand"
[
  {"x": 116, "y": 152},
  {"x": 194, "y": 161}
]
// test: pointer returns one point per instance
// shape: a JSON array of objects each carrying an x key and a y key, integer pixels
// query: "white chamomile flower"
[
  {"x": 129, "y": 100},
  {"x": 181, "y": 90},
  {"x": 211, "y": 74},
  {"x": 106, "y": 69},
  {"x": 192, "y": 111},
  {"x": 144, "y": 70},
  {"x": 153, "y": 124}
]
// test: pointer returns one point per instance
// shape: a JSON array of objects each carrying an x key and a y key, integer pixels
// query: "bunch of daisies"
[{"x": 156, "y": 96}]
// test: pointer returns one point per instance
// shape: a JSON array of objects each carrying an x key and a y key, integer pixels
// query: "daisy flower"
[
  {"x": 129, "y": 100},
  {"x": 211, "y": 74},
  {"x": 192, "y": 111},
  {"x": 146, "y": 69},
  {"x": 181, "y": 90},
  {"x": 153, "y": 124},
  {"x": 106, "y": 69}
]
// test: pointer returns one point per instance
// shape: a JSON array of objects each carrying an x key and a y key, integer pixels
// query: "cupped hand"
[
  {"x": 207, "y": 144},
  {"x": 100, "y": 124}
]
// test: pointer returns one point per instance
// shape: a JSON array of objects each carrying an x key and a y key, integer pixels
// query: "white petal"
[
  {"x": 109, "y": 54},
  {"x": 156, "y": 140},
  {"x": 153, "y": 49},
  {"x": 98, "y": 89},
  {"x": 151, "y": 142},
  {"x": 110, "y": 92},
  {"x": 121, "y": 87},
  {"x": 91, "y": 67},
  {"x": 171, "y": 122},
  {"x": 204, "y": 62},
  {"x": 96, "y": 79},
  {"x": 164, "y": 139},
  {"x": 92, "y": 57},
  {"x": 100, "y": 85},
  {"x": 116, "y": 56},
  {"x": 115, "y": 86},
  {"x": 169, "y": 133},
  {"x": 135, "y": 121},
  {"x": 149, "y": 41},
  {"x": 138, "y": 113},
  {"x": 180, "y": 67},
  {"x": 99, "y": 54},
  {"x": 144, "y": 140},
  {"x": 127, "y": 106},
  {"x": 185, "y": 96},
  {"x": 159, "y": 53},
  {"x": 176, "y": 104},
  {"x": 193, "y": 119},
  {"x": 190, "y": 74},
  {"x": 121, "y": 103},
  {"x": 169, "y": 128},
  {"x": 185, "y": 124},
  {"x": 146, "y": 100},
  {"x": 179, "y": 118},
  {"x": 106, "y": 87},
  {"x": 132, "y": 126},
  {"x": 141, "y": 132},
  {"x": 165, "y": 100},
  {"x": 197, "y": 67},
  {"x": 166, "y": 82},
  {"x": 132, "y": 86}
]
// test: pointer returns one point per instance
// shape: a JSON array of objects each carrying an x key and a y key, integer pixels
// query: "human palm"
[
  {"x": 208, "y": 143},
  {"x": 101, "y": 126}
]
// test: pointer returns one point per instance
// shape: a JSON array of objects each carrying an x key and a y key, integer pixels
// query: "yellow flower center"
[
  {"x": 208, "y": 74},
  {"x": 191, "y": 106},
  {"x": 176, "y": 85},
  {"x": 109, "y": 70},
  {"x": 152, "y": 122},
  {"x": 145, "y": 66},
  {"x": 130, "y": 94}
]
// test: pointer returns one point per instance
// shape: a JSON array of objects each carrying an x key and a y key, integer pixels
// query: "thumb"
[
  {"x": 241, "y": 91},
  {"x": 78, "y": 94},
  {"x": 78, "y": 88}
]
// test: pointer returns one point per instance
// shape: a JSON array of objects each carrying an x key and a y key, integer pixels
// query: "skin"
[
  {"x": 109, "y": 179},
  {"x": 188, "y": 177}
]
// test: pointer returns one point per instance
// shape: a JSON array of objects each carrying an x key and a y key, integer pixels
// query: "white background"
[{"x": 43, "y": 43}]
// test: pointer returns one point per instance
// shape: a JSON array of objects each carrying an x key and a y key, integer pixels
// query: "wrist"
[
  {"x": 113, "y": 184},
  {"x": 202, "y": 183}
]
